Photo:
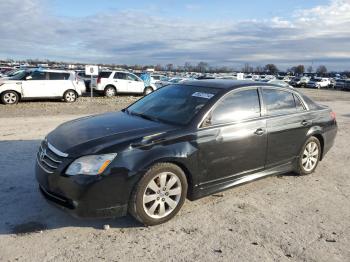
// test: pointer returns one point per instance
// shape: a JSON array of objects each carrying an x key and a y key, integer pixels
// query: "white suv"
[
  {"x": 31, "y": 84},
  {"x": 112, "y": 82}
]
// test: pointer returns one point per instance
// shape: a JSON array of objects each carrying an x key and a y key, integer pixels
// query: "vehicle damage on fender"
[{"x": 181, "y": 141}]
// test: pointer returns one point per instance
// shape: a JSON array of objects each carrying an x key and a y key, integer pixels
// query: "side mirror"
[{"x": 29, "y": 77}]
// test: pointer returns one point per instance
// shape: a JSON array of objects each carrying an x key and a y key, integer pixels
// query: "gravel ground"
[{"x": 284, "y": 218}]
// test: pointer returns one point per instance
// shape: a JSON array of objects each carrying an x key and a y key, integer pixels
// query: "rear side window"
[
  {"x": 278, "y": 102},
  {"x": 237, "y": 106},
  {"x": 58, "y": 76},
  {"x": 104, "y": 74},
  {"x": 119, "y": 75}
]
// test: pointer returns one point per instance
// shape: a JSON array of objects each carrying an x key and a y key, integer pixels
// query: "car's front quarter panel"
[{"x": 14, "y": 86}]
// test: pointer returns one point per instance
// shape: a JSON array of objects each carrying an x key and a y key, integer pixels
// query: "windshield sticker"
[{"x": 203, "y": 95}]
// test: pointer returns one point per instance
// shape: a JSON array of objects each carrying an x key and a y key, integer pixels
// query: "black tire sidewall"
[
  {"x": 137, "y": 201},
  {"x": 9, "y": 92},
  {"x": 147, "y": 88},
  {"x": 301, "y": 170}
]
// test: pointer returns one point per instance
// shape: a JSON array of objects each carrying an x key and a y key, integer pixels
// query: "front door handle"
[{"x": 259, "y": 132}]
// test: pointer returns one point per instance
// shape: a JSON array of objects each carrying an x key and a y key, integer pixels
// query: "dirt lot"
[{"x": 285, "y": 218}]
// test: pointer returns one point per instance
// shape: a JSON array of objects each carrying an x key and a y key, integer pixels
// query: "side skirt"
[{"x": 202, "y": 191}]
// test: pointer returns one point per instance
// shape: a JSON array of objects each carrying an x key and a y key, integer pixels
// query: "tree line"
[{"x": 201, "y": 67}]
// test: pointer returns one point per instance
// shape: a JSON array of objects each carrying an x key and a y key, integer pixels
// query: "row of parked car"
[{"x": 31, "y": 84}]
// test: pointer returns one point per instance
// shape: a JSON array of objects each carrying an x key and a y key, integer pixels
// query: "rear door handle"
[{"x": 259, "y": 132}]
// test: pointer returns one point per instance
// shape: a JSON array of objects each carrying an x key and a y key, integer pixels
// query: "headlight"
[{"x": 90, "y": 165}]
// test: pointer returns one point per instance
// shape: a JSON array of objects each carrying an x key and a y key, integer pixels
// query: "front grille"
[{"x": 47, "y": 159}]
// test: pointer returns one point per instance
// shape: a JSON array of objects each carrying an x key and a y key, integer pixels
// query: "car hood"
[{"x": 98, "y": 133}]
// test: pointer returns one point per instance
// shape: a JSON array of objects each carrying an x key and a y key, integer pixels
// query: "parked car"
[
  {"x": 319, "y": 83},
  {"x": 86, "y": 79},
  {"x": 299, "y": 81},
  {"x": 110, "y": 83},
  {"x": 183, "y": 140},
  {"x": 342, "y": 84},
  {"x": 32, "y": 84},
  {"x": 280, "y": 83}
]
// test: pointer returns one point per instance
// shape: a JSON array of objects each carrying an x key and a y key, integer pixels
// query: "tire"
[
  {"x": 9, "y": 98},
  {"x": 309, "y": 156},
  {"x": 146, "y": 203},
  {"x": 110, "y": 91},
  {"x": 147, "y": 90},
  {"x": 70, "y": 96}
]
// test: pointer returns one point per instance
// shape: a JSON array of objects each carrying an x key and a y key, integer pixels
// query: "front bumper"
[{"x": 87, "y": 196}]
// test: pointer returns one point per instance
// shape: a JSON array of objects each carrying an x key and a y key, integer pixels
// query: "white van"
[{"x": 32, "y": 84}]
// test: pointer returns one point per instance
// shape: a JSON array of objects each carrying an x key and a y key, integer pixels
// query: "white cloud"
[{"x": 320, "y": 34}]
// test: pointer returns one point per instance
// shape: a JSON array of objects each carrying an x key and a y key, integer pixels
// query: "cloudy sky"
[{"x": 230, "y": 33}]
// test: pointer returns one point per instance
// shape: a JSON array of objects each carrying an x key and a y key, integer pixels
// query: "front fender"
[{"x": 12, "y": 87}]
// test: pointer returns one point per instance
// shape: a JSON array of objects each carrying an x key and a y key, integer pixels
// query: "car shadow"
[{"x": 23, "y": 207}]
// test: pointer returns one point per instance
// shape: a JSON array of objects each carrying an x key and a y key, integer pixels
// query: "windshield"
[
  {"x": 19, "y": 76},
  {"x": 175, "y": 104}
]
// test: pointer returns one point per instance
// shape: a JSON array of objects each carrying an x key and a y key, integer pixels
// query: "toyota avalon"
[{"x": 185, "y": 140}]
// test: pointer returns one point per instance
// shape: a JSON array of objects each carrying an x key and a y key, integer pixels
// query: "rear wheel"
[
  {"x": 309, "y": 156},
  {"x": 110, "y": 91},
  {"x": 70, "y": 96},
  {"x": 148, "y": 90},
  {"x": 9, "y": 97},
  {"x": 159, "y": 195}
]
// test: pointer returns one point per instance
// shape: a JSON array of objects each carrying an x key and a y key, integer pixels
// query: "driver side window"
[
  {"x": 38, "y": 75},
  {"x": 237, "y": 106}
]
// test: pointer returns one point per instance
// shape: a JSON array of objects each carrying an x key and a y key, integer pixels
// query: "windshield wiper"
[{"x": 151, "y": 118}]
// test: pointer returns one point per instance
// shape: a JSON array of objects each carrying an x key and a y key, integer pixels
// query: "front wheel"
[
  {"x": 70, "y": 96},
  {"x": 9, "y": 98},
  {"x": 159, "y": 195},
  {"x": 309, "y": 157}
]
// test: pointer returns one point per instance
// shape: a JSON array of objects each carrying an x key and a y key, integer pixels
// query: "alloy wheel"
[
  {"x": 70, "y": 97},
  {"x": 162, "y": 195},
  {"x": 110, "y": 92},
  {"x": 310, "y": 156},
  {"x": 10, "y": 98}
]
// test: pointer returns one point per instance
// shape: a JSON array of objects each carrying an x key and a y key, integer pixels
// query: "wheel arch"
[
  {"x": 316, "y": 131},
  {"x": 110, "y": 85},
  {"x": 12, "y": 90},
  {"x": 70, "y": 89},
  {"x": 178, "y": 162}
]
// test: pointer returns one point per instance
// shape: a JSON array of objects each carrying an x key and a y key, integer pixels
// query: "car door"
[
  {"x": 135, "y": 84},
  {"x": 232, "y": 141},
  {"x": 58, "y": 83},
  {"x": 287, "y": 125},
  {"x": 120, "y": 82},
  {"x": 35, "y": 85}
]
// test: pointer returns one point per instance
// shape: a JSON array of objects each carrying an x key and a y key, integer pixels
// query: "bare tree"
[
  {"x": 169, "y": 67},
  {"x": 247, "y": 68},
  {"x": 202, "y": 67},
  {"x": 299, "y": 70},
  {"x": 309, "y": 69},
  {"x": 271, "y": 68},
  {"x": 321, "y": 70}
]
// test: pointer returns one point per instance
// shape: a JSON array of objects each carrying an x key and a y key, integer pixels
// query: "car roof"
[{"x": 225, "y": 83}]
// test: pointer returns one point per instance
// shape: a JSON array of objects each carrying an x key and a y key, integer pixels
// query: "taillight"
[
  {"x": 333, "y": 116},
  {"x": 99, "y": 80}
]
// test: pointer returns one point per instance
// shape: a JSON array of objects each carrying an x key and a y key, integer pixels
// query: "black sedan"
[{"x": 185, "y": 140}]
